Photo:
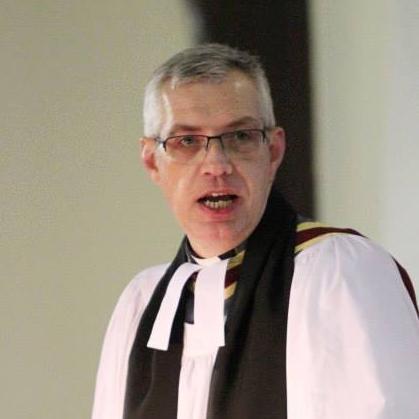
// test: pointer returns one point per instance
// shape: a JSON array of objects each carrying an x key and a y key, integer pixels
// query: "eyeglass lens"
[{"x": 240, "y": 143}]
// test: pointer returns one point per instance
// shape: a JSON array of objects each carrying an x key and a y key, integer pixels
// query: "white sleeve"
[
  {"x": 353, "y": 335},
  {"x": 120, "y": 334}
]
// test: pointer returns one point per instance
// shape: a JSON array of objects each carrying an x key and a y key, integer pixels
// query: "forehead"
[{"x": 210, "y": 105}]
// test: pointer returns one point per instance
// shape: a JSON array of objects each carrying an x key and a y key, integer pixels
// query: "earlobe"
[{"x": 148, "y": 157}]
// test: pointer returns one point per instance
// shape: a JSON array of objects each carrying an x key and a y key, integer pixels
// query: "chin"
[{"x": 217, "y": 240}]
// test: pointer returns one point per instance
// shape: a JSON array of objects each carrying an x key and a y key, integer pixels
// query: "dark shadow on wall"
[{"x": 277, "y": 32}]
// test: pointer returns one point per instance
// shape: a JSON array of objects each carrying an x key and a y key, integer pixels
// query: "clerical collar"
[{"x": 194, "y": 258}]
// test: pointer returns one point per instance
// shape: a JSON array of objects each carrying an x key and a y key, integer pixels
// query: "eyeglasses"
[{"x": 237, "y": 144}]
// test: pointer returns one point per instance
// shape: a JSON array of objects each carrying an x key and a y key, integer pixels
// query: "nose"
[{"x": 216, "y": 162}]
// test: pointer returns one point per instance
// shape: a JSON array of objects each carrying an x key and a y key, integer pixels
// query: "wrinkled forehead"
[{"x": 212, "y": 102}]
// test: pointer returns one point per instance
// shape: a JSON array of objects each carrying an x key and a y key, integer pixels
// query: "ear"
[
  {"x": 148, "y": 157},
  {"x": 277, "y": 147}
]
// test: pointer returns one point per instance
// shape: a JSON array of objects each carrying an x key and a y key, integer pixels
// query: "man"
[{"x": 260, "y": 314}]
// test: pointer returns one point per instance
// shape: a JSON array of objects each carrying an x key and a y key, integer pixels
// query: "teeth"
[
  {"x": 220, "y": 204},
  {"x": 217, "y": 200}
]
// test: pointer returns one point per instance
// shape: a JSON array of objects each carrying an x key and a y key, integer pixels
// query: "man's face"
[{"x": 212, "y": 109}]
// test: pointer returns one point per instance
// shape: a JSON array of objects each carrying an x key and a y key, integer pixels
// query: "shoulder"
[
  {"x": 139, "y": 290},
  {"x": 131, "y": 305},
  {"x": 330, "y": 245},
  {"x": 345, "y": 265},
  {"x": 342, "y": 246},
  {"x": 334, "y": 250}
]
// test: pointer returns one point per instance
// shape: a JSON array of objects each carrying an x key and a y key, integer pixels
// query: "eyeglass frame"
[{"x": 219, "y": 137}]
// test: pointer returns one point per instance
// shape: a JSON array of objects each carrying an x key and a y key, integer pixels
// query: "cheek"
[
  {"x": 259, "y": 177},
  {"x": 260, "y": 182},
  {"x": 176, "y": 191}
]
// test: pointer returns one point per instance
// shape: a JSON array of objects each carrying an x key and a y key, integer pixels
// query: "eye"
[
  {"x": 188, "y": 140},
  {"x": 243, "y": 135}
]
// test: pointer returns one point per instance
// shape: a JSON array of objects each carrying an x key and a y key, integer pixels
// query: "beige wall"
[
  {"x": 366, "y": 61},
  {"x": 77, "y": 212}
]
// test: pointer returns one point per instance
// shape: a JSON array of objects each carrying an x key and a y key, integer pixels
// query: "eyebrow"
[
  {"x": 184, "y": 127},
  {"x": 243, "y": 121},
  {"x": 247, "y": 120}
]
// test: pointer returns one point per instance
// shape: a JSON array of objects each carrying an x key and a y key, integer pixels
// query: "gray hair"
[{"x": 207, "y": 63}]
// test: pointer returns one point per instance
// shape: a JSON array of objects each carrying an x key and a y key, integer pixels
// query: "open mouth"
[{"x": 217, "y": 200}]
